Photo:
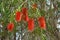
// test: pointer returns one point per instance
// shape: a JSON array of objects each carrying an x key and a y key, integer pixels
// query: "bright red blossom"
[
  {"x": 10, "y": 26},
  {"x": 26, "y": 18},
  {"x": 31, "y": 25},
  {"x": 25, "y": 14},
  {"x": 24, "y": 11},
  {"x": 42, "y": 23},
  {"x": 18, "y": 16}
]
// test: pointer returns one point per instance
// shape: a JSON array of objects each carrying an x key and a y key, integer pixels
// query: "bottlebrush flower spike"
[
  {"x": 18, "y": 16},
  {"x": 31, "y": 25},
  {"x": 10, "y": 26},
  {"x": 42, "y": 23},
  {"x": 24, "y": 11},
  {"x": 26, "y": 18}
]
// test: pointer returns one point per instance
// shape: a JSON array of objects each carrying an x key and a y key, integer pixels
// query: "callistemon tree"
[{"x": 29, "y": 19}]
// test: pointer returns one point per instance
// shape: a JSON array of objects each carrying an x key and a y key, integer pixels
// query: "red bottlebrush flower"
[
  {"x": 34, "y": 6},
  {"x": 42, "y": 23},
  {"x": 31, "y": 25},
  {"x": 25, "y": 14},
  {"x": 24, "y": 11},
  {"x": 10, "y": 27},
  {"x": 26, "y": 18},
  {"x": 18, "y": 16}
]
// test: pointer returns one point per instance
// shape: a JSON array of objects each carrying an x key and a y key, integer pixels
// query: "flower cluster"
[{"x": 23, "y": 15}]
